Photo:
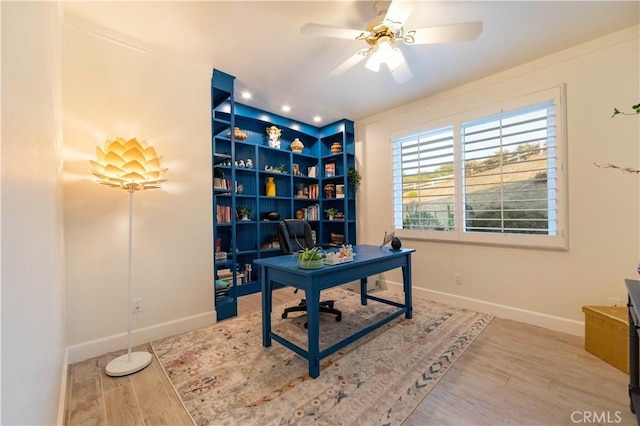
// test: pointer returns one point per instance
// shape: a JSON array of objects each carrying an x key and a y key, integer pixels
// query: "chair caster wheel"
[
  {"x": 284, "y": 315},
  {"x": 338, "y": 318},
  {"x": 305, "y": 325}
]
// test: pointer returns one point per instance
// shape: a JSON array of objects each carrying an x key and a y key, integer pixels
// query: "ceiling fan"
[{"x": 384, "y": 30}]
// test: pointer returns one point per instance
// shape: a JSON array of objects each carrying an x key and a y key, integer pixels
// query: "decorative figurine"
[
  {"x": 396, "y": 243},
  {"x": 274, "y": 134},
  {"x": 297, "y": 146},
  {"x": 238, "y": 134},
  {"x": 249, "y": 163},
  {"x": 241, "y": 163},
  {"x": 329, "y": 190}
]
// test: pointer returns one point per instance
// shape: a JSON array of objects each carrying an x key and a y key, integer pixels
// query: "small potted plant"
[
  {"x": 310, "y": 258},
  {"x": 300, "y": 188},
  {"x": 244, "y": 212},
  {"x": 279, "y": 169},
  {"x": 331, "y": 212}
]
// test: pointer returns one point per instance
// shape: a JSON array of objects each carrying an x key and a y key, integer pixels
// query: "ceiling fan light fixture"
[
  {"x": 373, "y": 63},
  {"x": 384, "y": 48},
  {"x": 394, "y": 59},
  {"x": 382, "y": 52}
]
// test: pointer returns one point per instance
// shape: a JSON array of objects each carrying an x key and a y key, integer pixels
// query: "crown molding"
[{"x": 87, "y": 26}]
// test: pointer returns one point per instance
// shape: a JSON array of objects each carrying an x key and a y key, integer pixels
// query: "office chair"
[{"x": 295, "y": 235}]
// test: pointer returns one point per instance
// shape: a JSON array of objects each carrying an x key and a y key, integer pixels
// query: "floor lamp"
[{"x": 132, "y": 166}]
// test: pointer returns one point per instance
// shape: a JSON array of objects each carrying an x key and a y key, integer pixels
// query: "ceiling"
[{"x": 259, "y": 42}]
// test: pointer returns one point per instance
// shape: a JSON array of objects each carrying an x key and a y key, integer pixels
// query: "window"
[{"x": 491, "y": 176}]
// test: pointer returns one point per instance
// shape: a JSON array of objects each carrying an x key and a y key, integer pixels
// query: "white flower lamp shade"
[
  {"x": 129, "y": 165},
  {"x": 133, "y": 166}
]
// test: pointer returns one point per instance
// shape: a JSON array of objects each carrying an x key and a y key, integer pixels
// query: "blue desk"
[{"x": 369, "y": 260}]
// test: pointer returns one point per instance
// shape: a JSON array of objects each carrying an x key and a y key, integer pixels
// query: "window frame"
[{"x": 459, "y": 235}]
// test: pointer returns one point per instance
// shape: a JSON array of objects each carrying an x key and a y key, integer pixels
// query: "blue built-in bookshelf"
[{"x": 307, "y": 183}]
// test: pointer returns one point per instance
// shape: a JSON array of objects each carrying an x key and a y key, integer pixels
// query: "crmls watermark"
[{"x": 599, "y": 417}]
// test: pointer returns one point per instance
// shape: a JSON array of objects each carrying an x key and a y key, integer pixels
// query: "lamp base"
[{"x": 122, "y": 366}]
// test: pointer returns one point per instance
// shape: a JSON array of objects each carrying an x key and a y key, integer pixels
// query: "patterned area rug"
[{"x": 226, "y": 377}]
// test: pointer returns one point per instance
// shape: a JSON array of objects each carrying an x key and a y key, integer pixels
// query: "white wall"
[
  {"x": 33, "y": 338},
  {"x": 543, "y": 287},
  {"x": 111, "y": 90}
]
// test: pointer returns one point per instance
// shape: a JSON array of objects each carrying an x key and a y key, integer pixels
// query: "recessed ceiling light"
[
  {"x": 246, "y": 95},
  {"x": 317, "y": 119},
  {"x": 286, "y": 108}
]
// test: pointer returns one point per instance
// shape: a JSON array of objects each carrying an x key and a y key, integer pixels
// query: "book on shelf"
[
  {"x": 223, "y": 214},
  {"x": 222, "y": 292},
  {"x": 329, "y": 170},
  {"x": 311, "y": 212},
  {"x": 313, "y": 190},
  {"x": 224, "y": 275},
  {"x": 221, "y": 183}
]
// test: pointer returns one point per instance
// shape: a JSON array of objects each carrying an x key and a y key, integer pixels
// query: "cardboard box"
[{"x": 606, "y": 334}]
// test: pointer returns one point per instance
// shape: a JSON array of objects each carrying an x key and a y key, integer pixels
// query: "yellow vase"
[{"x": 271, "y": 187}]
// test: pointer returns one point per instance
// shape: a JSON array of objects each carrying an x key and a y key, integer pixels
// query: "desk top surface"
[{"x": 362, "y": 254}]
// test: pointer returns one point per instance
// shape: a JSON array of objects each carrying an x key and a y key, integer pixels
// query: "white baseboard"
[
  {"x": 551, "y": 322},
  {"x": 97, "y": 347}
]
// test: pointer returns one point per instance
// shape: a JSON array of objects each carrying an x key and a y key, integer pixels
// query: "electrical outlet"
[
  {"x": 613, "y": 301},
  {"x": 458, "y": 279},
  {"x": 137, "y": 305}
]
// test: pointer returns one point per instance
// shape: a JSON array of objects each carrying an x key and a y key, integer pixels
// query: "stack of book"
[
  {"x": 222, "y": 288},
  {"x": 312, "y": 212}
]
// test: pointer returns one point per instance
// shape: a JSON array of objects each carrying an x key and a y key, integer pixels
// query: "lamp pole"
[
  {"x": 129, "y": 281},
  {"x": 133, "y": 361}
]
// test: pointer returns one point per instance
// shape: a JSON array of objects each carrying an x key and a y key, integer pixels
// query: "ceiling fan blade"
[
  {"x": 466, "y": 31},
  {"x": 329, "y": 31},
  {"x": 401, "y": 71},
  {"x": 349, "y": 63},
  {"x": 397, "y": 14}
]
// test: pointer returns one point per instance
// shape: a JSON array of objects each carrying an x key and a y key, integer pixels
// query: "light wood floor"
[
  {"x": 512, "y": 374},
  {"x": 144, "y": 398}
]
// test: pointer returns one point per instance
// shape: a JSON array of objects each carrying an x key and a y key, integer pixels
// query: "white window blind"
[
  {"x": 493, "y": 175},
  {"x": 424, "y": 181},
  {"x": 509, "y": 172}
]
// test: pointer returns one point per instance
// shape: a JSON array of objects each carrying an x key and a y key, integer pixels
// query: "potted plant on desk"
[{"x": 310, "y": 258}]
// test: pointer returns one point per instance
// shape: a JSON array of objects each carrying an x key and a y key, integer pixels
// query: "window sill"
[{"x": 540, "y": 242}]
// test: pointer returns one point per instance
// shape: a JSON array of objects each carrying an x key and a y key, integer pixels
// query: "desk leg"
[
  {"x": 265, "y": 284},
  {"x": 634, "y": 379},
  {"x": 313, "y": 331},
  {"x": 406, "y": 281},
  {"x": 363, "y": 291}
]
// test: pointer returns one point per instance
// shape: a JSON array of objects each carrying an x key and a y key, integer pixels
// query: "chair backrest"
[{"x": 294, "y": 235}]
